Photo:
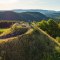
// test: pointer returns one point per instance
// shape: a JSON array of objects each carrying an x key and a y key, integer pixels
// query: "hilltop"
[{"x": 32, "y": 44}]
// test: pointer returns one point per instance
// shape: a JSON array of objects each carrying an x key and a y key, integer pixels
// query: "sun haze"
[{"x": 29, "y": 4}]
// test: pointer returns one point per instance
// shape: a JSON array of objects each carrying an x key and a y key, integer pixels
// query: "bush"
[
  {"x": 58, "y": 39},
  {"x": 43, "y": 25},
  {"x": 51, "y": 27},
  {"x": 15, "y": 27},
  {"x": 5, "y": 24}
]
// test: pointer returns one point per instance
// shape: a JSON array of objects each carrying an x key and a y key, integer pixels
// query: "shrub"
[
  {"x": 43, "y": 25},
  {"x": 58, "y": 39},
  {"x": 51, "y": 27}
]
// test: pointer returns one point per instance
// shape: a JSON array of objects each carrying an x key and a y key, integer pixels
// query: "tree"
[
  {"x": 51, "y": 27},
  {"x": 43, "y": 25}
]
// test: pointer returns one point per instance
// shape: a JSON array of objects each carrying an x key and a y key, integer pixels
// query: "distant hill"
[
  {"x": 48, "y": 13},
  {"x": 29, "y": 15},
  {"x": 23, "y": 16}
]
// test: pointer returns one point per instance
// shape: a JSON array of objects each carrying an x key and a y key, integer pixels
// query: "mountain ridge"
[
  {"x": 48, "y": 13},
  {"x": 24, "y": 16}
]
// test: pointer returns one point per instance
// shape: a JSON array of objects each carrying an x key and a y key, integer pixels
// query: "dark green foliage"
[
  {"x": 43, "y": 25},
  {"x": 23, "y": 16},
  {"x": 5, "y": 24},
  {"x": 51, "y": 27}
]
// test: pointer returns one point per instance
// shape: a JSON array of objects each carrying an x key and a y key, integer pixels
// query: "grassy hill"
[{"x": 33, "y": 44}]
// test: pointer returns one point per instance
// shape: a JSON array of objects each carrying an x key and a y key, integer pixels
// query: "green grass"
[
  {"x": 13, "y": 31},
  {"x": 33, "y": 44},
  {"x": 3, "y": 30}
]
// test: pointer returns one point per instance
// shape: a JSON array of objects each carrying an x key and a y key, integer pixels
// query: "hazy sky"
[{"x": 30, "y": 4}]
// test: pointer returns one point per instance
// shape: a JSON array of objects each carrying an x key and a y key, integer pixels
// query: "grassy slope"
[
  {"x": 13, "y": 31},
  {"x": 35, "y": 44}
]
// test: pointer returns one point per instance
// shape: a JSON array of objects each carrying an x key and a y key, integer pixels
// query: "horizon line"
[{"x": 27, "y": 9}]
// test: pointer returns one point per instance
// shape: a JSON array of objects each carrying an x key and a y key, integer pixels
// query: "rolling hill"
[
  {"x": 34, "y": 44},
  {"x": 24, "y": 16},
  {"x": 29, "y": 15},
  {"x": 48, "y": 13}
]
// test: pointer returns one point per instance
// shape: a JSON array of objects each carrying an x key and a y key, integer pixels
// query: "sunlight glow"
[
  {"x": 8, "y": 1},
  {"x": 29, "y": 4}
]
